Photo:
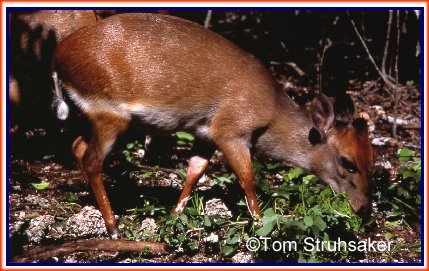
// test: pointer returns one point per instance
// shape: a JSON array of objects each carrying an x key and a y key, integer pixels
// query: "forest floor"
[{"x": 48, "y": 202}]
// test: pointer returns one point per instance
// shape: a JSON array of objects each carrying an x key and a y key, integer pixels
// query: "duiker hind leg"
[
  {"x": 79, "y": 148},
  {"x": 197, "y": 164},
  {"x": 90, "y": 158}
]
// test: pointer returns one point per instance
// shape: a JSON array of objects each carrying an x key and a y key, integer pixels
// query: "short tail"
[{"x": 58, "y": 102}]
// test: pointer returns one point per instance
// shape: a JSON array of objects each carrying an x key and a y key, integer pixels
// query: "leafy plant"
[
  {"x": 405, "y": 194},
  {"x": 223, "y": 180},
  {"x": 134, "y": 152},
  {"x": 300, "y": 207},
  {"x": 42, "y": 185},
  {"x": 179, "y": 231},
  {"x": 184, "y": 139},
  {"x": 316, "y": 212}
]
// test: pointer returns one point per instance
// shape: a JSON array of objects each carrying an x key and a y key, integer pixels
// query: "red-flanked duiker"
[{"x": 169, "y": 74}]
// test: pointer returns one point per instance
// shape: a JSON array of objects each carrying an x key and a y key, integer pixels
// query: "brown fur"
[{"x": 173, "y": 74}]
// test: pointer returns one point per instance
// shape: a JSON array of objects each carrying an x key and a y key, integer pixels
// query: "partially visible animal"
[{"x": 33, "y": 36}]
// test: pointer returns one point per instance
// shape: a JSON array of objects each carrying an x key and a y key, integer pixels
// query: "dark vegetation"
[{"x": 307, "y": 52}]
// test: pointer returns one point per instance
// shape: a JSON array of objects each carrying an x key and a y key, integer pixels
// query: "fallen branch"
[
  {"x": 412, "y": 127},
  {"x": 48, "y": 251},
  {"x": 413, "y": 108}
]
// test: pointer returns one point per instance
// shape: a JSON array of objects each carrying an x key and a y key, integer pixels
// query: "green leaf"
[
  {"x": 182, "y": 174},
  {"x": 410, "y": 174},
  {"x": 263, "y": 185},
  {"x": 147, "y": 174},
  {"x": 325, "y": 237},
  {"x": 184, "y": 136},
  {"x": 231, "y": 232},
  {"x": 265, "y": 230},
  {"x": 405, "y": 155},
  {"x": 233, "y": 240},
  {"x": 40, "y": 186},
  {"x": 71, "y": 197},
  {"x": 207, "y": 222},
  {"x": 192, "y": 245},
  {"x": 310, "y": 200},
  {"x": 183, "y": 218},
  {"x": 283, "y": 191},
  {"x": 309, "y": 178},
  {"x": 312, "y": 260},
  {"x": 308, "y": 220},
  {"x": 229, "y": 250},
  {"x": 301, "y": 259},
  {"x": 403, "y": 192},
  {"x": 130, "y": 146},
  {"x": 192, "y": 211},
  {"x": 326, "y": 193},
  {"x": 295, "y": 173},
  {"x": 271, "y": 166},
  {"x": 181, "y": 238},
  {"x": 319, "y": 223},
  {"x": 270, "y": 218},
  {"x": 257, "y": 167},
  {"x": 388, "y": 235},
  {"x": 295, "y": 223},
  {"x": 269, "y": 212}
]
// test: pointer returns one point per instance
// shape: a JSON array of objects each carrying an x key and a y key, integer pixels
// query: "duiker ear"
[
  {"x": 344, "y": 109},
  {"x": 322, "y": 114}
]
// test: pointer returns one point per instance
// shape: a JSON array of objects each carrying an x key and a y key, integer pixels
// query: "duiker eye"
[{"x": 348, "y": 165}]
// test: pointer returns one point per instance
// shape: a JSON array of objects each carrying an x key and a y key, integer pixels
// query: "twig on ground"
[{"x": 47, "y": 251}]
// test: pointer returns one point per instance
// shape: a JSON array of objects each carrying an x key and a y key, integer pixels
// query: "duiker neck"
[{"x": 287, "y": 136}]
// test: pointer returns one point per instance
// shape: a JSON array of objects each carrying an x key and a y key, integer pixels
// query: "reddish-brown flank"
[{"x": 169, "y": 74}]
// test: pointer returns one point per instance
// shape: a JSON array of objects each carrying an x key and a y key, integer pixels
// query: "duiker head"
[{"x": 343, "y": 157}]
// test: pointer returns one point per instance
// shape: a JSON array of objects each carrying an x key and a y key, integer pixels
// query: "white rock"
[
  {"x": 38, "y": 227},
  {"x": 380, "y": 141},
  {"x": 383, "y": 164},
  {"x": 243, "y": 257},
  {"x": 150, "y": 225},
  {"x": 398, "y": 121},
  {"x": 212, "y": 238},
  {"x": 88, "y": 221},
  {"x": 217, "y": 207}
]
